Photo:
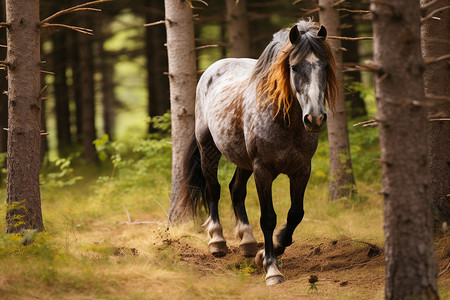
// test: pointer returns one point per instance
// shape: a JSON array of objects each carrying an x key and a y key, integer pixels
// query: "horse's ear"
[
  {"x": 322, "y": 32},
  {"x": 294, "y": 34}
]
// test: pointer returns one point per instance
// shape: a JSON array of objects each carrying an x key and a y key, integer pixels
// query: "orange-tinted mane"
[
  {"x": 276, "y": 88},
  {"x": 332, "y": 91}
]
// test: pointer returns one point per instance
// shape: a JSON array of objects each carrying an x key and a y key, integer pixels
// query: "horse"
[{"x": 264, "y": 116}]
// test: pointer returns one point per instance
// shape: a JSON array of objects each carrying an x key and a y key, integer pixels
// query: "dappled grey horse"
[{"x": 264, "y": 116}]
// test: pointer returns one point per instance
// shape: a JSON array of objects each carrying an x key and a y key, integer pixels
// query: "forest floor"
[
  {"x": 107, "y": 236},
  {"x": 88, "y": 254}
]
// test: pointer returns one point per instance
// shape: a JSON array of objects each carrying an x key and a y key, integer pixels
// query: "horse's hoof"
[
  {"x": 248, "y": 250},
  {"x": 276, "y": 279},
  {"x": 259, "y": 258},
  {"x": 218, "y": 249}
]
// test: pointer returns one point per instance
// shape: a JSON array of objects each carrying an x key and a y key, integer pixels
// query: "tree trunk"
[
  {"x": 108, "y": 97},
  {"x": 183, "y": 78},
  {"x": 357, "y": 105},
  {"x": 86, "y": 69},
  {"x": 24, "y": 108},
  {"x": 156, "y": 54},
  {"x": 76, "y": 84},
  {"x": 61, "y": 93},
  {"x": 436, "y": 79},
  {"x": 3, "y": 89},
  {"x": 410, "y": 260},
  {"x": 342, "y": 183},
  {"x": 238, "y": 36}
]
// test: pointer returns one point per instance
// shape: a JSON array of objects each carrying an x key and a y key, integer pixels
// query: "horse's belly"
[{"x": 231, "y": 143}]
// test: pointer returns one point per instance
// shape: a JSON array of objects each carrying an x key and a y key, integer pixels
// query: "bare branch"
[
  {"x": 446, "y": 268},
  {"x": 192, "y": 6},
  {"x": 368, "y": 66},
  {"x": 432, "y": 60},
  {"x": 4, "y": 25},
  {"x": 47, "y": 72},
  {"x": 437, "y": 97},
  {"x": 206, "y": 46},
  {"x": 143, "y": 222},
  {"x": 354, "y": 10},
  {"x": 3, "y": 46},
  {"x": 73, "y": 9},
  {"x": 349, "y": 38},
  {"x": 155, "y": 23},
  {"x": 5, "y": 129},
  {"x": 431, "y": 14},
  {"x": 439, "y": 119},
  {"x": 338, "y": 2},
  {"x": 43, "y": 90},
  {"x": 367, "y": 123},
  {"x": 310, "y": 11},
  {"x": 426, "y": 5},
  {"x": 128, "y": 214},
  {"x": 75, "y": 28},
  {"x": 4, "y": 63}
]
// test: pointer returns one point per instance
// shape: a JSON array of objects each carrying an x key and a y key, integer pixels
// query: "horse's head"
[{"x": 309, "y": 63}]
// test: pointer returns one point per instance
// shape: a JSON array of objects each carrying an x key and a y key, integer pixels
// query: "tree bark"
[
  {"x": 86, "y": 69},
  {"x": 76, "y": 84},
  {"x": 238, "y": 36},
  {"x": 108, "y": 97},
  {"x": 436, "y": 79},
  {"x": 342, "y": 183},
  {"x": 351, "y": 55},
  {"x": 156, "y": 54},
  {"x": 3, "y": 89},
  {"x": 183, "y": 78},
  {"x": 61, "y": 93},
  {"x": 24, "y": 108},
  {"x": 410, "y": 259}
]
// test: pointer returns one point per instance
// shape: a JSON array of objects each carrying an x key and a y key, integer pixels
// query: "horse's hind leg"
[
  {"x": 283, "y": 237},
  {"x": 238, "y": 191},
  {"x": 210, "y": 157}
]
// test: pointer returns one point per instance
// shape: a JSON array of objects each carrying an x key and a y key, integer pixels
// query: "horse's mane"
[{"x": 272, "y": 72}]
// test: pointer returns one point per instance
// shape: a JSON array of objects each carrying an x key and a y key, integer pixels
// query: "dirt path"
[{"x": 341, "y": 265}]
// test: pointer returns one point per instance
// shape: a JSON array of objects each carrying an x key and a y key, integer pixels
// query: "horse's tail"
[{"x": 191, "y": 195}]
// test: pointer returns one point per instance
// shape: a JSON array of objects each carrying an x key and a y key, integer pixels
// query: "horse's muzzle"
[{"x": 314, "y": 123}]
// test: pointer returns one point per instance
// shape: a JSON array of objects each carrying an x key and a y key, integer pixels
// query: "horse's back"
[{"x": 220, "y": 106}]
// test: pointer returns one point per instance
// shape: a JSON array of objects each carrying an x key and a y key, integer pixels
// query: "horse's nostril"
[
  {"x": 308, "y": 119},
  {"x": 324, "y": 118}
]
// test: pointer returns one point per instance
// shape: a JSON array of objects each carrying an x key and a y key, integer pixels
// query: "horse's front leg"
[
  {"x": 268, "y": 221},
  {"x": 283, "y": 237}
]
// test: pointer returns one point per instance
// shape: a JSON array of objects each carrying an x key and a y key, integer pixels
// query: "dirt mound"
[
  {"x": 299, "y": 260},
  {"x": 330, "y": 255}
]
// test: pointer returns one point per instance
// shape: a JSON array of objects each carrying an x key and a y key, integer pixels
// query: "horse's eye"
[{"x": 294, "y": 68}]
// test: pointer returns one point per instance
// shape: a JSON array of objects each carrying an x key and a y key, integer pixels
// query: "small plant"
[
  {"x": 245, "y": 267},
  {"x": 313, "y": 279},
  {"x": 60, "y": 174}
]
